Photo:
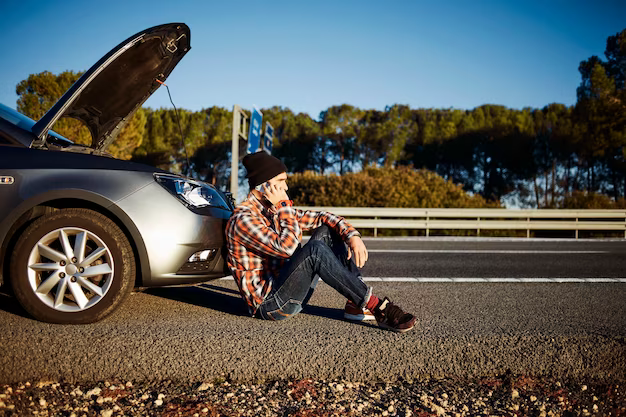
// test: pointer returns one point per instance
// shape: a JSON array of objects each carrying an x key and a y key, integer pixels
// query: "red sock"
[{"x": 372, "y": 303}]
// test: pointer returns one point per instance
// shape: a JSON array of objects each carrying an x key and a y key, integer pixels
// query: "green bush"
[
  {"x": 387, "y": 187},
  {"x": 584, "y": 200},
  {"x": 382, "y": 187}
]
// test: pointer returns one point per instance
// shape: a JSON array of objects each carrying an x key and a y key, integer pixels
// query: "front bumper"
[{"x": 171, "y": 234}]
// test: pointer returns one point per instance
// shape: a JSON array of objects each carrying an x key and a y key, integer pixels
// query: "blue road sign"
[
  {"x": 254, "y": 135},
  {"x": 268, "y": 138}
]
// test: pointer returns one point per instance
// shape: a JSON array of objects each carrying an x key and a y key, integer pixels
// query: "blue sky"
[{"x": 311, "y": 55}]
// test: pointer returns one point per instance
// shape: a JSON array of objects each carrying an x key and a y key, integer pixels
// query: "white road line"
[
  {"x": 487, "y": 239},
  {"x": 484, "y": 280},
  {"x": 483, "y": 251},
  {"x": 491, "y": 280}
]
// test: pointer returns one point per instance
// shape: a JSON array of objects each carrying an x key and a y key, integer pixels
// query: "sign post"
[
  {"x": 241, "y": 135},
  {"x": 239, "y": 132}
]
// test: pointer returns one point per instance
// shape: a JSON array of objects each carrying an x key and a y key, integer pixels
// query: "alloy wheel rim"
[{"x": 70, "y": 269}]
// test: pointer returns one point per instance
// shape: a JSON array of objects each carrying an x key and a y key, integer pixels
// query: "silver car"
[{"x": 80, "y": 229}]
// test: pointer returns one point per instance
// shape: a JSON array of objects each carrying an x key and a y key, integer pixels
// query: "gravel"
[{"x": 503, "y": 395}]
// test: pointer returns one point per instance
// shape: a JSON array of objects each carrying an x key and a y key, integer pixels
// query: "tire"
[{"x": 100, "y": 265}]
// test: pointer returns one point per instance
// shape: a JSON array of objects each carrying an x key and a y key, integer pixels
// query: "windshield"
[
  {"x": 16, "y": 118},
  {"x": 26, "y": 123}
]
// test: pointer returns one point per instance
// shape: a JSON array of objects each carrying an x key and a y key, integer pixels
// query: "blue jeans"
[{"x": 324, "y": 256}]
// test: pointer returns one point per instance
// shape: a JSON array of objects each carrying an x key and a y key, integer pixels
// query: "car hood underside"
[{"x": 110, "y": 92}]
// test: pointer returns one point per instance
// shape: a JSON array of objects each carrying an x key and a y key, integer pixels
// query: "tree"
[
  {"x": 601, "y": 113},
  {"x": 295, "y": 139},
  {"x": 38, "y": 93},
  {"x": 211, "y": 160},
  {"x": 130, "y": 137},
  {"x": 341, "y": 126},
  {"x": 162, "y": 145},
  {"x": 384, "y": 135}
]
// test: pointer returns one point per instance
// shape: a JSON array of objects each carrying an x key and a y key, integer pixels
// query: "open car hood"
[{"x": 108, "y": 94}]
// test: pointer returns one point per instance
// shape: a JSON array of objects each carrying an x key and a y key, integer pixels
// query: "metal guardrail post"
[
  {"x": 375, "y": 228},
  {"x": 427, "y": 231},
  {"x": 576, "y": 229},
  {"x": 527, "y": 227},
  {"x": 478, "y": 229}
]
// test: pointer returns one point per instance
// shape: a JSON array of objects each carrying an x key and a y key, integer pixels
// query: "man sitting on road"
[{"x": 276, "y": 275}]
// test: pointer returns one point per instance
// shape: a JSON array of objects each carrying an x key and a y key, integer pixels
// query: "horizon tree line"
[{"x": 529, "y": 157}]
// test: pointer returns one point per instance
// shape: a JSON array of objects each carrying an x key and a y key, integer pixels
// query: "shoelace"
[{"x": 393, "y": 313}]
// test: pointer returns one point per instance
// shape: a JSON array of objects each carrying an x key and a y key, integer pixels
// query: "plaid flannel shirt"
[{"x": 261, "y": 240}]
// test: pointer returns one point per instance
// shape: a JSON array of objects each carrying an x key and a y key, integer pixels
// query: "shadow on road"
[
  {"x": 228, "y": 300},
  {"x": 332, "y": 313},
  {"x": 205, "y": 295},
  {"x": 210, "y": 296},
  {"x": 9, "y": 304},
  {"x": 327, "y": 312}
]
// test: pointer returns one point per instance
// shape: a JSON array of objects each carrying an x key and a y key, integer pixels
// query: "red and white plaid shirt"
[{"x": 261, "y": 240}]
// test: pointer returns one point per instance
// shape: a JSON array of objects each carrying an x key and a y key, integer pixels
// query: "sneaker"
[
  {"x": 390, "y": 316},
  {"x": 352, "y": 312}
]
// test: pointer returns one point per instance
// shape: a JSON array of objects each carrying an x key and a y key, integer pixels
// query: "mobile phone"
[{"x": 260, "y": 187}]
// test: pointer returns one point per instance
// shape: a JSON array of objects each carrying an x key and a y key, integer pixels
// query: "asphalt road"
[
  {"x": 496, "y": 258},
  {"x": 567, "y": 329}
]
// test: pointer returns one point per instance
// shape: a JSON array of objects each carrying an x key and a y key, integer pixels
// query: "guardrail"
[{"x": 481, "y": 219}]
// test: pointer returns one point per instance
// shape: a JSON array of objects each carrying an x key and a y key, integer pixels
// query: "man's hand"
[
  {"x": 357, "y": 247},
  {"x": 275, "y": 193}
]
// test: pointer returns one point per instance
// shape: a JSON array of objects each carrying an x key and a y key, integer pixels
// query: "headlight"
[{"x": 192, "y": 193}]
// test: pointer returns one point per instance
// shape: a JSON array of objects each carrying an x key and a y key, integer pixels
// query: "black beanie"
[{"x": 261, "y": 167}]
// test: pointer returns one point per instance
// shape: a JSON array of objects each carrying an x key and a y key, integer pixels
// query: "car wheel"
[{"x": 72, "y": 266}]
